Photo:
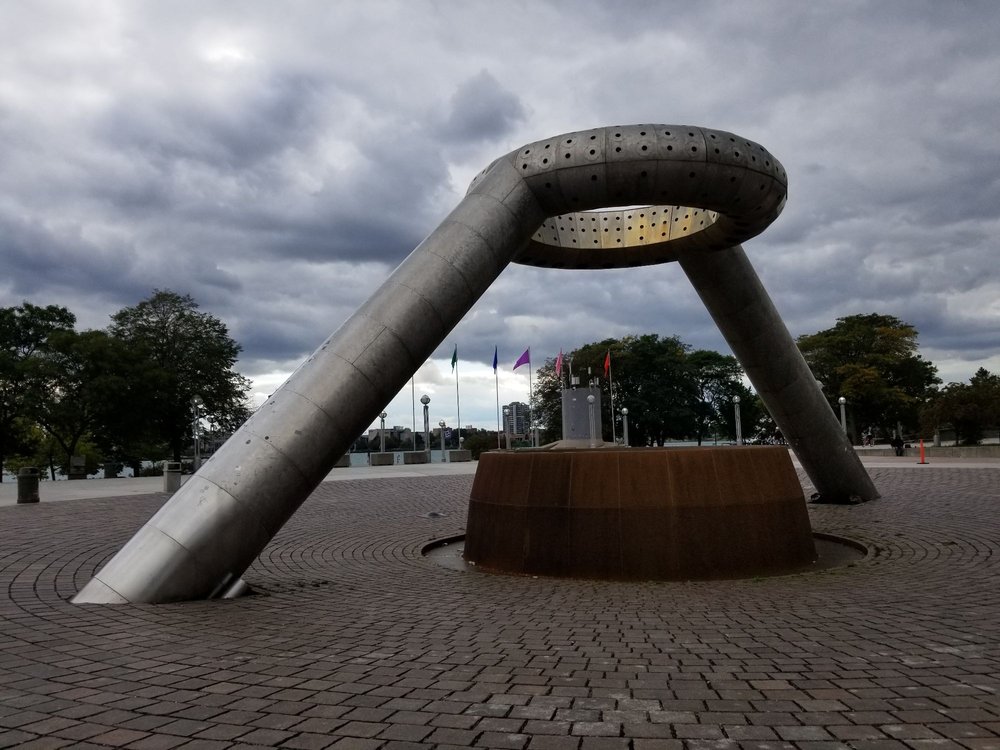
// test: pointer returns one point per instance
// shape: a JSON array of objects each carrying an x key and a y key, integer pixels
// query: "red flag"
[
  {"x": 559, "y": 364},
  {"x": 607, "y": 364}
]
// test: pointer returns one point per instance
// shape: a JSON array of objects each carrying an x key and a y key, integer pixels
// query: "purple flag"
[
  {"x": 524, "y": 359},
  {"x": 495, "y": 351}
]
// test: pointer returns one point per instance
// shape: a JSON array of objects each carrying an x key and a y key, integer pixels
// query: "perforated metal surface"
[{"x": 685, "y": 188}]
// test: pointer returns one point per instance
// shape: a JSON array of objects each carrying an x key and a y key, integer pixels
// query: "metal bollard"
[
  {"x": 27, "y": 484},
  {"x": 171, "y": 476}
]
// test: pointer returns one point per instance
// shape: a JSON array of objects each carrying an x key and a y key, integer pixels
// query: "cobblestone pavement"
[{"x": 357, "y": 641}]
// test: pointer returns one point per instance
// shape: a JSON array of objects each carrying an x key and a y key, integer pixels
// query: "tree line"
[
  {"x": 128, "y": 393},
  {"x": 871, "y": 360},
  {"x": 125, "y": 394},
  {"x": 671, "y": 391}
]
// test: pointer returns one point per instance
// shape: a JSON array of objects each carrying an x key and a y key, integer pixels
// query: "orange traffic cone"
[{"x": 922, "y": 460}]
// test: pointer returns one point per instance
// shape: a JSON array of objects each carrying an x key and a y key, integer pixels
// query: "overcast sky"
[{"x": 277, "y": 160}]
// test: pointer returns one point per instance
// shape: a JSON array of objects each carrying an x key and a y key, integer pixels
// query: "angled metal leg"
[
  {"x": 201, "y": 541},
  {"x": 740, "y": 306}
]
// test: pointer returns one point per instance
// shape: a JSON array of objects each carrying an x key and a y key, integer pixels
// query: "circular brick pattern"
[{"x": 356, "y": 641}]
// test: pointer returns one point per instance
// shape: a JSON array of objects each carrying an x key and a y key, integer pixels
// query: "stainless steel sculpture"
[{"x": 703, "y": 192}]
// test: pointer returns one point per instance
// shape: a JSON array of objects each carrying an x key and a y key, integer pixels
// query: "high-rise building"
[{"x": 517, "y": 419}]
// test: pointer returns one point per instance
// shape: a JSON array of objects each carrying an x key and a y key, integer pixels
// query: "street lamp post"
[
  {"x": 593, "y": 428},
  {"x": 381, "y": 433},
  {"x": 441, "y": 425},
  {"x": 739, "y": 424},
  {"x": 843, "y": 413},
  {"x": 196, "y": 404},
  {"x": 425, "y": 400},
  {"x": 625, "y": 425}
]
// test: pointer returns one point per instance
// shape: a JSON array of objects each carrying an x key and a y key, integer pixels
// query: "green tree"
[
  {"x": 34, "y": 448},
  {"x": 718, "y": 381},
  {"x": 190, "y": 353},
  {"x": 671, "y": 392},
  {"x": 872, "y": 361},
  {"x": 479, "y": 442},
  {"x": 970, "y": 408},
  {"x": 24, "y": 333},
  {"x": 657, "y": 384},
  {"x": 75, "y": 386}
]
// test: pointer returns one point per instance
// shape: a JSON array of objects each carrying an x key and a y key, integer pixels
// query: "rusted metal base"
[{"x": 640, "y": 514}]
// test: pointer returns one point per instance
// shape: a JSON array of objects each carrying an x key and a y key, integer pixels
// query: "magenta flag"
[
  {"x": 524, "y": 359},
  {"x": 559, "y": 364}
]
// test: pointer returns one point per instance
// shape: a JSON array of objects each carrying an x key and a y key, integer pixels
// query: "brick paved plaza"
[{"x": 356, "y": 640}]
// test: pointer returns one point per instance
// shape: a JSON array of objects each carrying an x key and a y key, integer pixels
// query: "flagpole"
[
  {"x": 496, "y": 382},
  {"x": 531, "y": 410},
  {"x": 458, "y": 402},
  {"x": 526, "y": 359},
  {"x": 611, "y": 391}
]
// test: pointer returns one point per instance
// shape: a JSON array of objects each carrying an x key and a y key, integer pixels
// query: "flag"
[
  {"x": 495, "y": 360},
  {"x": 454, "y": 358},
  {"x": 524, "y": 359},
  {"x": 607, "y": 364},
  {"x": 559, "y": 364}
]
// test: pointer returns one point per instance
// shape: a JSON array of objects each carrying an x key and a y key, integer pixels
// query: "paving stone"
[
  {"x": 357, "y": 729},
  {"x": 305, "y": 741},
  {"x": 11, "y": 738},
  {"x": 604, "y": 743},
  {"x": 446, "y": 736},
  {"x": 405, "y": 732},
  {"x": 157, "y": 742},
  {"x": 355, "y": 743},
  {"x": 512, "y": 741},
  {"x": 356, "y": 641},
  {"x": 265, "y": 736},
  {"x": 596, "y": 729},
  {"x": 746, "y": 733},
  {"x": 657, "y": 744},
  {"x": 553, "y": 742},
  {"x": 508, "y": 726}
]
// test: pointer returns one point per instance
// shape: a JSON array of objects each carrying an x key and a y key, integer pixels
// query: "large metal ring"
[{"x": 676, "y": 188}]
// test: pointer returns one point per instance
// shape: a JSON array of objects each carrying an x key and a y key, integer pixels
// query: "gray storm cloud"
[{"x": 278, "y": 164}]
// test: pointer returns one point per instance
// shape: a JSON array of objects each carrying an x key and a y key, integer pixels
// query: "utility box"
[
  {"x": 27, "y": 484},
  {"x": 171, "y": 476},
  {"x": 576, "y": 414},
  {"x": 77, "y": 467}
]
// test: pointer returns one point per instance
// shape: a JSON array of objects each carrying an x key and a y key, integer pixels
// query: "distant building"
[
  {"x": 397, "y": 434},
  {"x": 517, "y": 419}
]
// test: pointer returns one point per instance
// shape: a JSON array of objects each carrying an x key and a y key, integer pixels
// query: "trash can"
[
  {"x": 171, "y": 476},
  {"x": 27, "y": 484}
]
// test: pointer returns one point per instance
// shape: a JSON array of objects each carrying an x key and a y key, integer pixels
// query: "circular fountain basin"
[{"x": 639, "y": 514}]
